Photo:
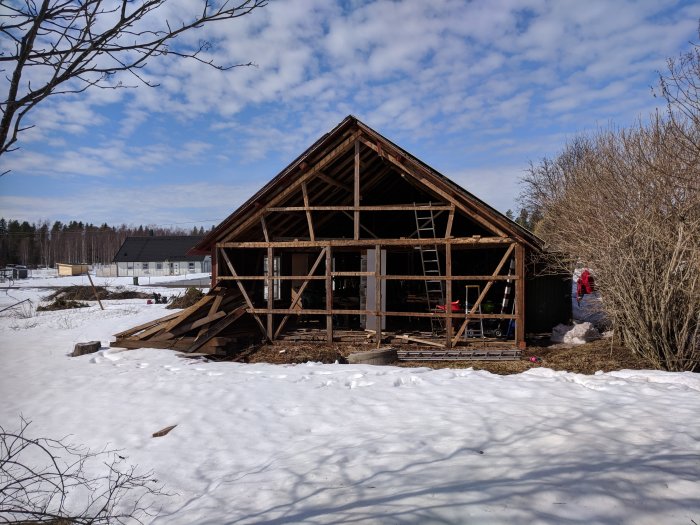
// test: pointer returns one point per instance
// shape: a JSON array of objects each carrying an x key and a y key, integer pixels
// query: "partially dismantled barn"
[{"x": 358, "y": 239}]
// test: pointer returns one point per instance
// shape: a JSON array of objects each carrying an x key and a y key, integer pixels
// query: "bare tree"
[
  {"x": 51, "y": 481},
  {"x": 618, "y": 202},
  {"x": 50, "y": 47}
]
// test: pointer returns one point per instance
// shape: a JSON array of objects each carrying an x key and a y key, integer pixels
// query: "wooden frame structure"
[{"x": 355, "y": 192}]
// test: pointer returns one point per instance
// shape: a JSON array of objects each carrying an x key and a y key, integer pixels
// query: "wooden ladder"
[{"x": 430, "y": 263}]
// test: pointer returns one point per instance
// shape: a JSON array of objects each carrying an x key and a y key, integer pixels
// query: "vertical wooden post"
[
  {"x": 214, "y": 265},
  {"x": 448, "y": 294},
  {"x": 94, "y": 290},
  {"x": 520, "y": 296},
  {"x": 329, "y": 295},
  {"x": 356, "y": 218},
  {"x": 378, "y": 292},
  {"x": 270, "y": 291},
  {"x": 305, "y": 194}
]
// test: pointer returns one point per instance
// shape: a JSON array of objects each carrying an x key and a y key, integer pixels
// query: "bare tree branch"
[{"x": 63, "y": 46}]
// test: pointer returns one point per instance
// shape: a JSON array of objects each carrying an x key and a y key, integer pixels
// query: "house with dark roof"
[
  {"x": 160, "y": 255},
  {"x": 358, "y": 236}
]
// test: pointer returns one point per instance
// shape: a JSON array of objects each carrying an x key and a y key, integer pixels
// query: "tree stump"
[{"x": 86, "y": 348}]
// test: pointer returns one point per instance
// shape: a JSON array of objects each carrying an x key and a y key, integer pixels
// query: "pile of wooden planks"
[{"x": 199, "y": 328}]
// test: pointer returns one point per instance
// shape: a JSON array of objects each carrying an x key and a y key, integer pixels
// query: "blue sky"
[{"x": 475, "y": 89}]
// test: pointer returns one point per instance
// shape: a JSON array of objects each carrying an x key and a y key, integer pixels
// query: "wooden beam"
[
  {"x": 329, "y": 296},
  {"x": 520, "y": 297},
  {"x": 448, "y": 294},
  {"x": 339, "y": 311},
  {"x": 325, "y": 178},
  {"x": 370, "y": 232},
  {"x": 217, "y": 329},
  {"x": 378, "y": 292},
  {"x": 477, "y": 304},
  {"x": 356, "y": 195},
  {"x": 294, "y": 185},
  {"x": 187, "y": 313},
  {"x": 391, "y": 207},
  {"x": 368, "y": 243},
  {"x": 264, "y": 228},
  {"x": 307, "y": 280},
  {"x": 135, "y": 329},
  {"x": 450, "y": 220},
  {"x": 366, "y": 274},
  {"x": 246, "y": 298},
  {"x": 422, "y": 341},
  {"x": 270, "y": 290},
  {"x": 305, "y": 194}
]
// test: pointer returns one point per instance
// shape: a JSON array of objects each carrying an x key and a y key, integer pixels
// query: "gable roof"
[
  {"x": 161, "y": 248},
  {"x": 347, "y": 132}
]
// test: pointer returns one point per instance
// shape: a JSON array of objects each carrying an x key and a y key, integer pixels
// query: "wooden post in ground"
[
  {"x": 378, "y": 292},
  {"x": 448, "y": 294},
  {"x": 94, "y": 290},
  {"x": 270, "y": 291},
  {"x": 356, "y": 217},
  {"x": 329, "y": 296},
  {"x": 520, "y": 296}
]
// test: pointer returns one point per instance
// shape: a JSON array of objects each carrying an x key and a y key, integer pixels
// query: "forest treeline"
[{"x": 45, "y": 244}]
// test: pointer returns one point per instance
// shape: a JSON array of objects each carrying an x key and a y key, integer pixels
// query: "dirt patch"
[
  {"x": 583, "y": 359},
  {"x": 191, "y": 296},
  {"x": 61, "y": 304},
  {"x": 86, "y": 293}
]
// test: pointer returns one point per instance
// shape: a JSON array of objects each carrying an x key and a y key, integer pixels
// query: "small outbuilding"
[
  {"x": 65, "y": 269},
  {"x": 159, "y": 256}
]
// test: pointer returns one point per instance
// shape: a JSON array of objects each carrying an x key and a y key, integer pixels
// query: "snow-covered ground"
[{"x": 358, "y": 444}]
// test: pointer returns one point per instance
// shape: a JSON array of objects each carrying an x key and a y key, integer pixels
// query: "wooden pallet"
[
  {"x": 194, "y": 329},
  {"x": 459, "y": 355}
]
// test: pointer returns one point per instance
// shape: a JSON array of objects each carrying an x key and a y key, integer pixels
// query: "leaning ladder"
[{"x": 430, "y": 261}]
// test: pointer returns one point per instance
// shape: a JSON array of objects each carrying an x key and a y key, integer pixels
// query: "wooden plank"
[
  {"x": 520, "y": 297},
  {"x": 340, "y": 311},
  {"x": 305, "y": 195},
  {"x": 356, "y": 194},
  {"x": 368, "y": 243},
  {"x": 329, "y": 295},
  {"x": 422, "y": 341},
  {"x": 135, "y": 329},
  {"x": 183, "y": 329},
  {"x": 216, "y": 329},
  {"x": 246, "y": 298},
  {"x": 477, "y": 304},
  {"x": 174, "y": 344},
  {"x": 188, "y": 312},
  {"x": 303, "y": 286}
]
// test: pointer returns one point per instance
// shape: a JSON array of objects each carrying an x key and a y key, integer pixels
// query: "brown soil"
[
  {"x": 583, "y": 359},
  {"x": 60, "y": 304},
  {"x": 86, "y": 293}
]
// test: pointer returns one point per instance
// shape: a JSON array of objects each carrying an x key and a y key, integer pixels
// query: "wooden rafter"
[
  {"x": 356, "y": 194},
  {"x": 294, "y": 185}
]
